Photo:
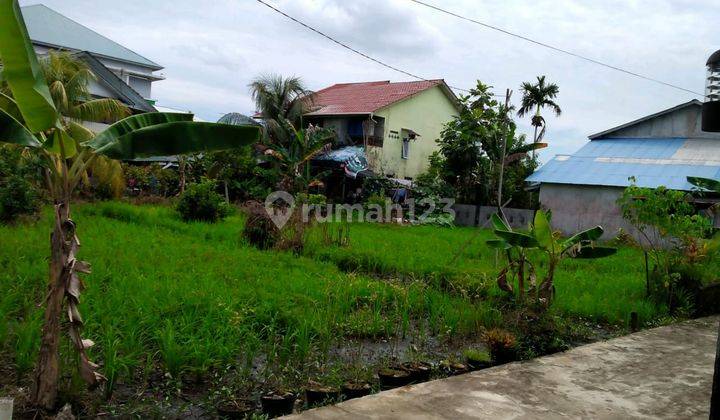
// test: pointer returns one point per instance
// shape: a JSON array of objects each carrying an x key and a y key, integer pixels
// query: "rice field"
[{"x": 169, "y": 299}]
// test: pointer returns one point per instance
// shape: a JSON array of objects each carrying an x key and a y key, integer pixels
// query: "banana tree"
[
  {"x": 29, "y": 118},
  {"x": 521, "y": 250}
]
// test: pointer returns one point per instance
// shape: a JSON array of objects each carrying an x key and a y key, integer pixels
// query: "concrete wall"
[
  {"x": 578, "y": 207},
  {"x": 424, "y": 113},
  {"x": 470, "y": 215}
]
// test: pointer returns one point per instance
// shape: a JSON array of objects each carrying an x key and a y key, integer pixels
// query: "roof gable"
[
  {"x": 368, "y": 97},
  {"x": 48, "y": 27},
  {"x": 125, "y": 93},
  {"x": 679, "y": 121}
]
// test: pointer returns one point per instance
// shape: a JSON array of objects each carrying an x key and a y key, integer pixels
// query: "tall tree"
[
  {"x": 29, "y": 117},
  {"x": 472, "y": 147},
  {"x": 279, "y": 99},
  {"x": 537, "y": 96}
]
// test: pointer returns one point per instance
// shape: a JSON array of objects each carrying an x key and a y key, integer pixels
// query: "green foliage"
[
  {"x": 17, "y": 197},
  {"x": 673, "y": 234},
  {"x": 662, "y": 214},
  {"x": 200, "y": 202},
  {"x": 476, "y": 355},
  {"x": 20, "y": 175},
  {"x": 471, "y": 152},
  {"x": 151, "y": 180},
  {"x": 239, "y": 169}
]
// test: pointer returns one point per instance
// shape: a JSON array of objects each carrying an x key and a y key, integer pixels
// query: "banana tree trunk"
[
  {"x": 64, "y": 286},
  {"x": 48, "y": 367}
]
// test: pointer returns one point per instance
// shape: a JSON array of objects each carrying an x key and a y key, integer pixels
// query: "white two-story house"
[{"x": 121, "y": 73}]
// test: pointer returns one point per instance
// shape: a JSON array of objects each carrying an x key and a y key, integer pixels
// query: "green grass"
[
  {"x": 456, "y": 259},
  {"x": 193, "y": 296},
  {"x": 185, "y": 298}
]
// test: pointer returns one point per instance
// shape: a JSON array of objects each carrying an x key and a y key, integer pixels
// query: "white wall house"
[{"x": 121, "y": 73}]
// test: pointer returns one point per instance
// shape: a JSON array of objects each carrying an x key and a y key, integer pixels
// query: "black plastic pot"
[
  {"x": 477, "y": 364},
  {"x": 235, "y": 409},
  {"x": 315, "y": 396},
  {"x": 278, "y": 404},
  {"x": 420, "y": 371},
  {"x": 395, "y": 377},
  {"x": 355, "y": 390}
]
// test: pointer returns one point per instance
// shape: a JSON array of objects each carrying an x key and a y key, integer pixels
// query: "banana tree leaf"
[
  {"x": 180, "y": 137},
  {"x": 586, "y": 235},
  {"x": 498, "y": 223},
  {"x": 22, "y": 71},
  {"x": 132, "y": 123},
  {"x": 11, "y": 131},
  {"x": 69, "y": 145},
  {"x": 521, "y": 240},
  {"x": 706, "y": 183},
  {"x": 543, "y": 231},
  {"x": 498, "y": 244},
  {"x": 8, "y": 105},
  {"x": 589, "y": 252}
]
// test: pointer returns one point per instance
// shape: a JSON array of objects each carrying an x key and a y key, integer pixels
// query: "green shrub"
[
  {"x": 475, "y": 355},
  {"x": 200, "y": 202},
  {"x": 17, "y": 197}
]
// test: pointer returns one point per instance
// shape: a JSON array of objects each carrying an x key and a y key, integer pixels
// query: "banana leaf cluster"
[{"x": 524, "y": 250}]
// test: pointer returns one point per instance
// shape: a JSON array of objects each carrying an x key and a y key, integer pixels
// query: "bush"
[
  {"x": 259, "y": 230},
  {"x": 200, "y": 202},
  {"x": 17, "y": 197}
]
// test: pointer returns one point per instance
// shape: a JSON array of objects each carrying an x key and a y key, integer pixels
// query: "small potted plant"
[
  {"x": 502, "y": 345},
  {"x": 477, "y": 359},
  {"x": 419, "y": 370},
  {"x": 452, "y": 367},
  {"x": 355, "y": 388},
  {"x": 317, "y": 394},
  {"x": 279, "y": 400},
  {"x": 235, "y": 408},
  {"x": 394, "y": 376}
]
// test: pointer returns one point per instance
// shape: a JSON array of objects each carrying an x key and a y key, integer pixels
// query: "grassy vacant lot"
[{"x": 193, "y": 300}]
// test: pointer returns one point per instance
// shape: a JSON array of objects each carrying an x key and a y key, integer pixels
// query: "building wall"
[
  {"x": 685, "y": 122},
  {"x": 425, "y": 114},
  {"x": 578, "y": 207}
]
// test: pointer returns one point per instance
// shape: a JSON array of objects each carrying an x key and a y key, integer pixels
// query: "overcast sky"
[{"x": 211, "y": 50}]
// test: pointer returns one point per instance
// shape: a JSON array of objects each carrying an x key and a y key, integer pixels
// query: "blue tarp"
[{"x": 352, "y": 158}]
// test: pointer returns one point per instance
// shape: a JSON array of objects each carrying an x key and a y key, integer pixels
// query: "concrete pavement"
[{"x": 664, "y": 372}]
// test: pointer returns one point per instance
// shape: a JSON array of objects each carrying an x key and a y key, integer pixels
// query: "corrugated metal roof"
[
  {"x": 46, "y": 26},
  {"x": 652, "y": 162}
]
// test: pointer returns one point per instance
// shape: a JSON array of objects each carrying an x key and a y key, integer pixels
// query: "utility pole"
[{"x": 506, "y": 123}]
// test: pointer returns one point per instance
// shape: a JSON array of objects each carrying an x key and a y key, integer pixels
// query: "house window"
[{"x": 407, "y": 135}]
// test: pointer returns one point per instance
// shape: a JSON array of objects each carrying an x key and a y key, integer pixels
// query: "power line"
[
  {"x": 560, "y": 50},
  {"x": 348, "y": 47}
]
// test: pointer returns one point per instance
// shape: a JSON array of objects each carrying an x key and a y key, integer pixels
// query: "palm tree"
[
  {"x": 536, "y": 97},
  {"x": 29, "y": 118},
  {"x": 68, "y": 79},
  {"x": 278, "y": 99}
]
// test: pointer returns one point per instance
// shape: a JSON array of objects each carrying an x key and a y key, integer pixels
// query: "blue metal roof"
[
  {"x": 49, "y": 27},
  {"x": 652, "y": 162}
]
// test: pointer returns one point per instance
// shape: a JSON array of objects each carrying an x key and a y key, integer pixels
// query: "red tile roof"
[{"x": 366, "y": 97}]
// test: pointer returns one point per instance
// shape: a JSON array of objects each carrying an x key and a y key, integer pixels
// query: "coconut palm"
[
  {"x": 29, "y": 118},
  {"x": 536, "y": 97},
  {"x": 278, "y": 99}
]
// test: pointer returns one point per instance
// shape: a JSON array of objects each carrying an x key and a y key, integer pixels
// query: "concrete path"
[{"x": 664, "y": 372}]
